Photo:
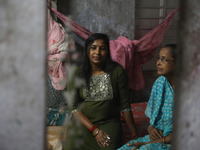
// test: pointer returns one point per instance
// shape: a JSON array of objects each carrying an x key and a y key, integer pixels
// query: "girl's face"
[
  {"x": 165, "y": 63},
  {"x": 97, "y": 52}
]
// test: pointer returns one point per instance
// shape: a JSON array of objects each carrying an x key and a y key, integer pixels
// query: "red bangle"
[{"x": 92, "y": 128}]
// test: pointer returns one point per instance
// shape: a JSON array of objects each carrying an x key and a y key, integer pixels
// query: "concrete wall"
[
  {"x": 112, "y": 17},
  {"x": 187, "y": 101},
  {"x": 22, "y": 72}
]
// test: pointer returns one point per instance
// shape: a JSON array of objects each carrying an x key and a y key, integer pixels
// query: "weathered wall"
[
  {"x": 22, "y": 72},
  {"x": 187, "y": 101},
  {"x": 112, "y": 17}
]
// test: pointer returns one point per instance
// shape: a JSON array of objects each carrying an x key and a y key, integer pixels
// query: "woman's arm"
[
  {"x": 101, "y": 137},
  {"x": 83, "y": 119},
  {"x": 130, "y": 122},
  {"x": 123, "y": 92},
  {"x": 164, "y": 140}
]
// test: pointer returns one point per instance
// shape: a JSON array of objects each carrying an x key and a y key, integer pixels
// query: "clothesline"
[{"x": 130, "y": 54}]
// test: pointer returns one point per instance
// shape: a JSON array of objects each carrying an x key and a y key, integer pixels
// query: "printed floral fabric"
[
  {"x": 56, "y": 106},
  {"x": 159, "y": 110}
]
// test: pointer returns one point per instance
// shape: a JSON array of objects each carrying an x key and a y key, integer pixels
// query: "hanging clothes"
[
  {"x": 58, "y": 44},
  {"x": 130, "y": 54}
]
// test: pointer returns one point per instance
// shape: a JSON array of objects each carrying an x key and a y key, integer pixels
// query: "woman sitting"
[
  {"x": 160, "y": 105},
  {"x": 98, "y": 103}
]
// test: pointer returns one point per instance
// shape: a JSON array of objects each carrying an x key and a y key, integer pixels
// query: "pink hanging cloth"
[
  {"x": 130, "y": 54},
  {"x": 58, "y": 46}
]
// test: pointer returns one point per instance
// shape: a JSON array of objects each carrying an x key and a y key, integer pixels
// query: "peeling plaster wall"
[
  {"x": 22, "y": 72},
  {"x": 187, "y": 101},
  {"x": 114, "y": 17}
]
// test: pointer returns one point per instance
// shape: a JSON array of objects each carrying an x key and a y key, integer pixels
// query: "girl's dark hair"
[
  {"x": 85, "y": 69},
  {"x": 172, "y": 47}
]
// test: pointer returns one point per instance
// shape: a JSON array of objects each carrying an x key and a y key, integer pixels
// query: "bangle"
[
  {"x": 96, "y": 133},
  {"x": 92, "y": 128},
  {"x": 163, "y": 140}
]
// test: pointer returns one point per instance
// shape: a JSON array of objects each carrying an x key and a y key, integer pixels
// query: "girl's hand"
[{"x": 102, "y": 138}]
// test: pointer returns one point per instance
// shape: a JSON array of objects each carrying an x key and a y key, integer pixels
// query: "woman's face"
[
  {"x": 166, "y": 63},
  {"x": 97, "y": 52}
]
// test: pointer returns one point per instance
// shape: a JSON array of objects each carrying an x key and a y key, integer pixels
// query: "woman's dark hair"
[
  {"x": 172, "y": 48},
  {"x": 86, "y": 70}
]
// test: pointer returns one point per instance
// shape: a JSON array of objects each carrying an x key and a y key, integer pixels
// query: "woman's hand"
[
  {"x": 154, "y": 133},
  {"x": 102, "y": 138},
  {"x": 137, "y": 145}
]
